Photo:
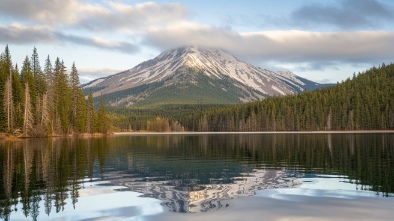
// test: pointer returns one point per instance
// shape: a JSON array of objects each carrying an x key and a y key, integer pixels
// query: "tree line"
[
  {"x": 141, "y": 119},
  {"x": 45, "y": 102},
  {"x": 364, "y": 102}
]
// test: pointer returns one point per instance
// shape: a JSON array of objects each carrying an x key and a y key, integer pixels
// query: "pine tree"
[
  {"x": 5, "y": 66},
  {"x": 40, "y": 84},
  {"x": 102, "y": 118},
  {"x": 74, "y": 81},
  {"x": 18, "y": 94},
  {"x": 90, "y": 114},
  {"x": 62, "y": 96},
  {"x": 81, "y": 113},
  {"x": 8, "y": 103},
  {"x": 39, "y": 78},
  {"x": 49, "y": 77},
  {"x": 27, "y": 77},
  {"x": 48, "y": 72}
]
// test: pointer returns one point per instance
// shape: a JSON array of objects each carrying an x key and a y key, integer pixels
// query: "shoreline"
[
  {"x": 7, "y": 137},
  {"x": 11, "y": 137},
  {"x": 258, "y": 132}
]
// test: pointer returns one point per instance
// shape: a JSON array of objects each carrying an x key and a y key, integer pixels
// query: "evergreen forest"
[
  {"x": 364, "y": 102},
  {"x": 38, "y": 102}
]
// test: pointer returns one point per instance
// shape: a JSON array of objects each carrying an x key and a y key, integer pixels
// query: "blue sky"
[{"x": 319, "y": 40}]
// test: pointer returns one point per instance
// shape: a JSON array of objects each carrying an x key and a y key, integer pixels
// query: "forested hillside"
[
  {"x": 45, "y": 102},
  {"x": 365, "y": 102}
]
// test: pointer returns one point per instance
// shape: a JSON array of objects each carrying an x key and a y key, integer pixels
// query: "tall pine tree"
[
  {"x": 28, "y": 77},
  {"x": 17, "y": 93},
  {"x": 74, "y": 82},
  {"x": 39, "y": 79},
  {"x": 61, "y": 97},
  {"x": 50, "y": 101},
  {"x": 5, "y": 67}
]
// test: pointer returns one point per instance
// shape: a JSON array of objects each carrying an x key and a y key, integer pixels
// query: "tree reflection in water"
[{"x": 189, "y": 173}]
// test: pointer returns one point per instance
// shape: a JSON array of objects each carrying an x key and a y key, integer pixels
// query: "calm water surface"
[{"x": 138, "y": 177}]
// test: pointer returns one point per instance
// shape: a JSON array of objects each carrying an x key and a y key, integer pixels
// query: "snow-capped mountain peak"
[{"x": 216, "y": 64}]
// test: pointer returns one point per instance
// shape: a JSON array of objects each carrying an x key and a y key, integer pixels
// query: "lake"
[{"x": 295, "y": 176}]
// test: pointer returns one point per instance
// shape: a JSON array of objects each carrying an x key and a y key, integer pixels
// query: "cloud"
[
  {"x": 87, "y": 74},
  {"x": 121, "y": 46},
  {"x": 318, "y": 66},
  {"x": 20, "y": 34},
  {"x": 139, "y": 16},
  {"x": 285, "y": 46},
  {"x": 51, "y": 21},
  {"x": 109, "y": 15},
  {"x": 347, "y": 15},
  {"x": 43, "y": 11},
  {"x": 302, "y": 46},
  {"x": 188, "y": 33}
]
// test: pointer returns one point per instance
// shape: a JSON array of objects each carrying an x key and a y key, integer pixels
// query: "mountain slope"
[{"x": 195, "y": 75}]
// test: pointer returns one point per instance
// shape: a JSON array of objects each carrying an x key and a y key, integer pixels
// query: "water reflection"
[
  {"x": 189, "y": 173},
  {"x": 35, "y": 170},
  {"x": 194, "y": 197}
]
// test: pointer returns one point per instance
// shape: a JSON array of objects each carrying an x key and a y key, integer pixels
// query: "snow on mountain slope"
[
  {"x": 214, "y": 63},
  {"x": 195, "y": 74},
  {"x": 93, "y": 83}
]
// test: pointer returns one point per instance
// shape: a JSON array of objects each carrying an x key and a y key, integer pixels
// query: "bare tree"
[
  {"x": 38, "y": 110},
  {"x": 45, "y": 110},
  {"x": 27, "y": 116}
]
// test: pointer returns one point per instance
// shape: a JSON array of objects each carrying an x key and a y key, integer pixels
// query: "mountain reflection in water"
[
  {"x": 188, "y": 173},
  {"x": 195, "y": 197}
]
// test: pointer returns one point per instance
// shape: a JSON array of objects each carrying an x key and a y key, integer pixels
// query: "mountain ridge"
[{"x": 188, "y": 67}]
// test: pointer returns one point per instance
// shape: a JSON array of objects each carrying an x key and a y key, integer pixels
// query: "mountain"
[{"x": 195, "y": 75}]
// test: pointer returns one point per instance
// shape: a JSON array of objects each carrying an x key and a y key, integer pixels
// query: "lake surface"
[{"x": 199, "y": 176}]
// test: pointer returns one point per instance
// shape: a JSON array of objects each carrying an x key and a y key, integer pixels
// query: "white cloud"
[
  {"x": 21, "y": 34},
  {"x": 87, "y": 74},
  {"x": 41, "y": 11},
  {"x": 109, "y": 15},
  {"x": 286, "y": 46},
  {"x": 132, "y": 19}
]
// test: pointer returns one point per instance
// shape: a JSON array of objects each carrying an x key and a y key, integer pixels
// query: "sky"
[{"x": 324, "y": 41}]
